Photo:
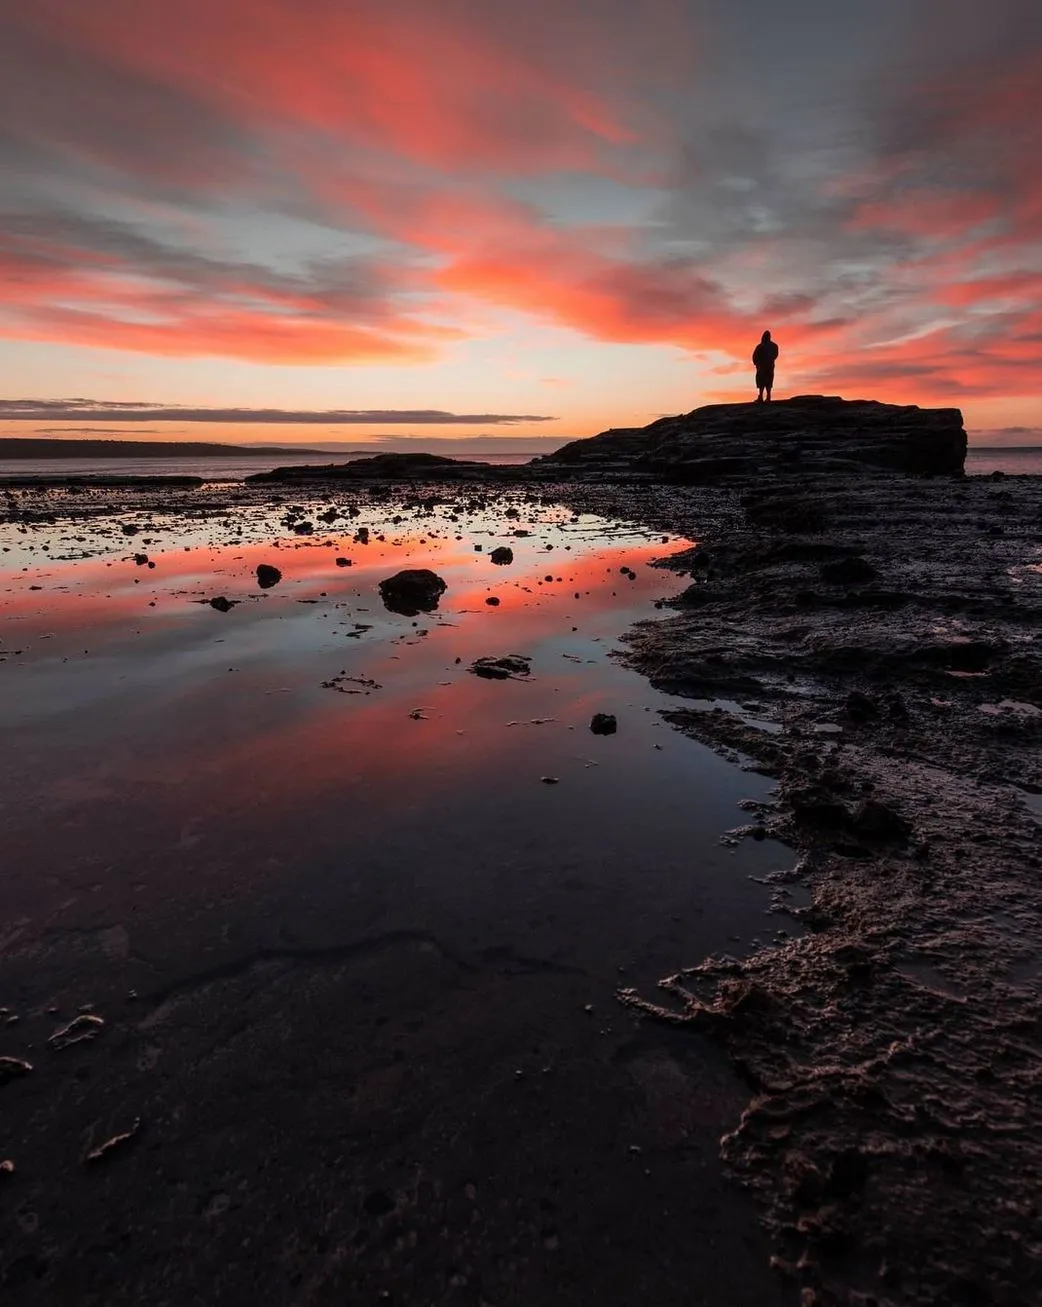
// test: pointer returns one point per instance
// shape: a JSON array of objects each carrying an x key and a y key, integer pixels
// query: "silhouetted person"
[{"x": 765, "y": 356}]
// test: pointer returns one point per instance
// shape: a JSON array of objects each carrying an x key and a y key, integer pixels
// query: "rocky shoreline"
[
  {"x": 877, "y": 637},
  {"x": 861, "y": 624}
]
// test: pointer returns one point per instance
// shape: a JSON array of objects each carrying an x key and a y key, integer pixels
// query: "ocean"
[
  {"x": 1015, "y": 460},
  {"x": 211, "y": 469},
  {"x": 980, "y": 461}
]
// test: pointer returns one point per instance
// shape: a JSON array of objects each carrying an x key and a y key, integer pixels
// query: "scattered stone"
[
  {"x": 362, "y": 535},
  {"x": 412, "y": 592},
  {"x": 80, "y": 1030},
  {"x": 7, "y": 1169},
  {"x": 343, "y": 562},
  {"x": 222, "y": 604},
  {"x": 104, "y": 1151},
  {"x": 267, "y": 576},
  {"x": 603, "y": 723},
  {"x": 141, "y": 560},
  {"x": 550, "y": 780},
  {"x": 13, "y": 1068},
  {"x": 502, "y": 556},
  {"x": 492, "y": 601},
  {"x": 509, "y": 667}
]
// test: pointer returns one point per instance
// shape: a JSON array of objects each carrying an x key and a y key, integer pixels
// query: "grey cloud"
[{"x": 85, "y": 410}]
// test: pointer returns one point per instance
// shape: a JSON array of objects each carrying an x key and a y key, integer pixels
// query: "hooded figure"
[{"x": 764, "y": 357}]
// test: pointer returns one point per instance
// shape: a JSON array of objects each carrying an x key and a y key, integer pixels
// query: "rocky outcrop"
[
  {"x": 381, "y": 467},
  {"x": 808, "y": 434}
]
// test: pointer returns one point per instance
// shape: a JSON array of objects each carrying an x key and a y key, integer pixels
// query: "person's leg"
[
  {"x": 770, "y": 387},
  {"x": 759, "y": 397}
]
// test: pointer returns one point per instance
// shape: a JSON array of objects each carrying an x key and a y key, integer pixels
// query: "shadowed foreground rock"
[{"x": 807, "y": 434}]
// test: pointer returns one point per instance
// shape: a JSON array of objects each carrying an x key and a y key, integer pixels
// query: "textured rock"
[
  {"x": 267, "y": 576},
  {"x": 807, "y": 434},
  {"x": 509, "y": 667},
  {"x": 412, "y": 592}
]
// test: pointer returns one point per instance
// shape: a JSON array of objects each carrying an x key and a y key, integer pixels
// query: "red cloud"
[
  {"x": 453, "y": 84},
  {"x": 402, "y": 120}
]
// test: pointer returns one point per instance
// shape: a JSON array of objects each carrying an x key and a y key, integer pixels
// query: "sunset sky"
[{"x": 540, "y": 218}]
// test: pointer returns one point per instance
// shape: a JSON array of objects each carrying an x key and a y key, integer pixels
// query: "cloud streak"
[{"x": 87, "y": 410}]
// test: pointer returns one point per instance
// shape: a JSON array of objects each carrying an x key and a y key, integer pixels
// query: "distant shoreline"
[{"x": 28, "y": 447}]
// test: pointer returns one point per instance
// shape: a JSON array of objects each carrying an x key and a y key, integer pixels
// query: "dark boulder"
[
  {"x": 603, "y": 723},
  {"x": 412, "y": 592},
  {"x": 267, "y": 576},
  {"x": 222, "y": 604},
  {"x": 502, "y": 556}
]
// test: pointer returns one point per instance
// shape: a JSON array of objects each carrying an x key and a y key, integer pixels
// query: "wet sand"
[{"x": 355, "y": 958}]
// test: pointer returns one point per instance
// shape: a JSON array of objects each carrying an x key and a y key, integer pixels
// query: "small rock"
[
  {"x": 6, "y": 1169},
  {"x": 141, "y": 560},
  {"x": 502, "y": 556},
  {"x": 267, "y": 576},
  {"x": 550, "y": 780},
  {"x": 222, "y": 604},
  {"x": 105, "y": 1150},
  {"x": 603, "y": 723},
  {"x": 80, "y": 1029},
  {"x": 509, "y": 667},
  {"x": 13, "y": 1068},
  {"x": 492, "y": 601},
  {"x": 343, "y": 562}
]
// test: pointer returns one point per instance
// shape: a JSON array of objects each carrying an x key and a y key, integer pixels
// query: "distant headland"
[{"x": 30, "y": 447}]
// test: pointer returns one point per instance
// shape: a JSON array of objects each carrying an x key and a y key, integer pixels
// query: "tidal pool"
[{"x": 297, "y": 854}]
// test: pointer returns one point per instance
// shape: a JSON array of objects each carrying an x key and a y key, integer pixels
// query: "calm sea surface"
[
  {"x": 1023, "y": 461},
  {"x": 212, "y": 469}
]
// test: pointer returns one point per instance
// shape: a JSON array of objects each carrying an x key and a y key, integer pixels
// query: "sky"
[{"x": 474, "y": 217}]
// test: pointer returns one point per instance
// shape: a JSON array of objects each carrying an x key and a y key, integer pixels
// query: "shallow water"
[
  {"x": 342, "y": 934},
  {"x": 340, "y": 760}
]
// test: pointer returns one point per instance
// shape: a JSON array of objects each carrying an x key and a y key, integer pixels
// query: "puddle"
[{"x": 310, "y": 765}]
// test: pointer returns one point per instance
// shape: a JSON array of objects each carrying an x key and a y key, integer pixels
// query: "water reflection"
[{"x": 322, "y": 761}]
